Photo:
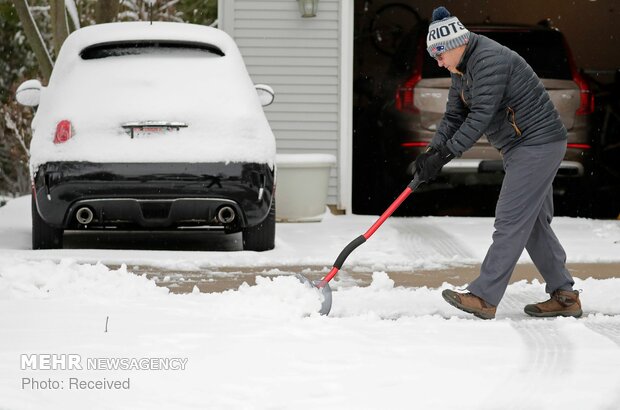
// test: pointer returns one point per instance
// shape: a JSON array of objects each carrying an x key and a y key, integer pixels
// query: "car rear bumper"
[
  {"x": 153, "y": 195},
  {"x": 459, "y": 166},
  {"x": 480, "y": 166}
]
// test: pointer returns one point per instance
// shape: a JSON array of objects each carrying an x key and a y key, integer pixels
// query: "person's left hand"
[{"x": 429, "y": 163}]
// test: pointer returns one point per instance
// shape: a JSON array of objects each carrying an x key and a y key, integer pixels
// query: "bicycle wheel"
[{"x": 390, "y": 24}]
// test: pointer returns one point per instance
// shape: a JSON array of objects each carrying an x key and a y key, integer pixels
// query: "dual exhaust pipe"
[{"x": 225, "y": 215}]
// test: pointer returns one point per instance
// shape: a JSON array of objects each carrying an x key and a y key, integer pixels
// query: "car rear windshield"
[
  {"x": 543, "y": 50},
  {"x": 119, "y": 49}
]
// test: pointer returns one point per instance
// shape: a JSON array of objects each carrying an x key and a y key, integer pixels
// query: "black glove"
[{"x": 429, "y": 163}]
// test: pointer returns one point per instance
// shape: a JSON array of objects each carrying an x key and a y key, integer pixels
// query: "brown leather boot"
[
  {"x": 561, "y": 303},
  {"x": 469, "y": 303}
]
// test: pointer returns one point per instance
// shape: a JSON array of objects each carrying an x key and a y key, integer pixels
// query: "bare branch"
[
  {"x": 60, "y": 29},
  {"x": 106, "y": 11},
  {"x": 72, "y": 11},
  {"x": 10, "y": 124},
  {"x": 34, "y": 38}
]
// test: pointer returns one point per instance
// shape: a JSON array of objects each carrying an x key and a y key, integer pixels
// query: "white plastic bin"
[{"x": 301, "y": 186}]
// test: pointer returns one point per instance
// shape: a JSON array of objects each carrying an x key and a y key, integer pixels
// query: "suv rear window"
[
  {"x": 125, "y": 48},
  {"x": 543, "y": 50}
]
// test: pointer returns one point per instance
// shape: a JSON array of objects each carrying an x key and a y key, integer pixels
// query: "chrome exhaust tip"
[
  {"x": 84, "y": 215},
  {"x": 226, "y": 215}
]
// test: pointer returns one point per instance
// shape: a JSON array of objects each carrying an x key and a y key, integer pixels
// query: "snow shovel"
[{"x": 323, "y": 284}]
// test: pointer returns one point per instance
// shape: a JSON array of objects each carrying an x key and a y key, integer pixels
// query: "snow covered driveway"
[
  {"x": 401, "y": 244},
  {"x": 263, "y": 347}
]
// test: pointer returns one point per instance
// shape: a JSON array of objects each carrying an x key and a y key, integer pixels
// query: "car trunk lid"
[
  {"x": 431, "y": 95},
  {"x": 565, "y": 95}
]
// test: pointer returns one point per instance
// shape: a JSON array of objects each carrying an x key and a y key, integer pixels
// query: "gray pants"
[{"x": 522, "y": 221}]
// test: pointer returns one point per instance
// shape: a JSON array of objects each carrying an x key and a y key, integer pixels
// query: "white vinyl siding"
[{"x": 299, "y": 58}]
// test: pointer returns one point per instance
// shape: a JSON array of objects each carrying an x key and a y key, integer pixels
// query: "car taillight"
[
  {"x": 63, "y": 132},
  {"x": 415, "y": 144},
  {"x": 578, "y": 146},
  {"x": 586, "y": 101},
  {"x": 404, "y": 94},
  {"x": 586, "y": 97}
]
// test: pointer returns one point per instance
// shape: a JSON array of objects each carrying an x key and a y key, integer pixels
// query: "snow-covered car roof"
[
  {"x": 113, "y": 32},
  {"x": 208, "y": 88}
]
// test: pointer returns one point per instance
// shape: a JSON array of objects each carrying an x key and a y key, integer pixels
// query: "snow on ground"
[
  {"x": 265, "y": 347},
  {"x": 400, "y": 243}
]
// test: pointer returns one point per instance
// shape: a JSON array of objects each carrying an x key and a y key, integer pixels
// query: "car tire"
[
  {"x": 44, "y": 236},
  {"x": 261, "y": 237}
]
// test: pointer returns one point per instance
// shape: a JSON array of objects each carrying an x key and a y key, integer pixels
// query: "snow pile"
[
  {"x": 274, "y": 297},
  {"x": 278, "y": 298},
  {"x": 68, "y": 279},
  {"x": 381, "y": 300}
]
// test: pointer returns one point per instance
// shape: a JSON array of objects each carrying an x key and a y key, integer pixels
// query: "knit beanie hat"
[{"x": 445, "y": 32}]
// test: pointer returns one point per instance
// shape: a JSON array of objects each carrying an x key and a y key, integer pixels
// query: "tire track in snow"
[
  {"x": 423, "y": 240},
  {"x": 549, "y": 354},
  {"x": 546, "y": 354},
  {"x": 609, "y": 330},
  {"x": 608, "y": 327}
]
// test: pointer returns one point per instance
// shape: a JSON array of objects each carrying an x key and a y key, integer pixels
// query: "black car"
[{"x": 151, "y": 127}]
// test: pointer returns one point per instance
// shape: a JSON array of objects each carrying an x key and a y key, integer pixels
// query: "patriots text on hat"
[{"x": 445, "y": 31}]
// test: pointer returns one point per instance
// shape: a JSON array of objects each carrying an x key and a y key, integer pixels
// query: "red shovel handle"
[{"x": 413, "y": 185}]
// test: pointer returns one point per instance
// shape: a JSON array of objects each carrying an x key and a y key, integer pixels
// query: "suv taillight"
[
  {"x": 63, "y": 132},
  {"x": 404, "y": 94},
  {"x": 586, "y": 97}
]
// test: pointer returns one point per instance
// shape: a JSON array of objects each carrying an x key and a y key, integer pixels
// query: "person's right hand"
[{"x": 429, "y": 163}]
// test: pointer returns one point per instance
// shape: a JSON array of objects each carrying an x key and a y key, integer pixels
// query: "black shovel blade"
[{"x": 325, "y": 290}]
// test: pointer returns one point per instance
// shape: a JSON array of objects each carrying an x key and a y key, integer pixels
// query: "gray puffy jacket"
[{"x": 498, "y": 95}]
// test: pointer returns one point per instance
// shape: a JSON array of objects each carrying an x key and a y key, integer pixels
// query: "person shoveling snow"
[{"x": 495, "y": 92}]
